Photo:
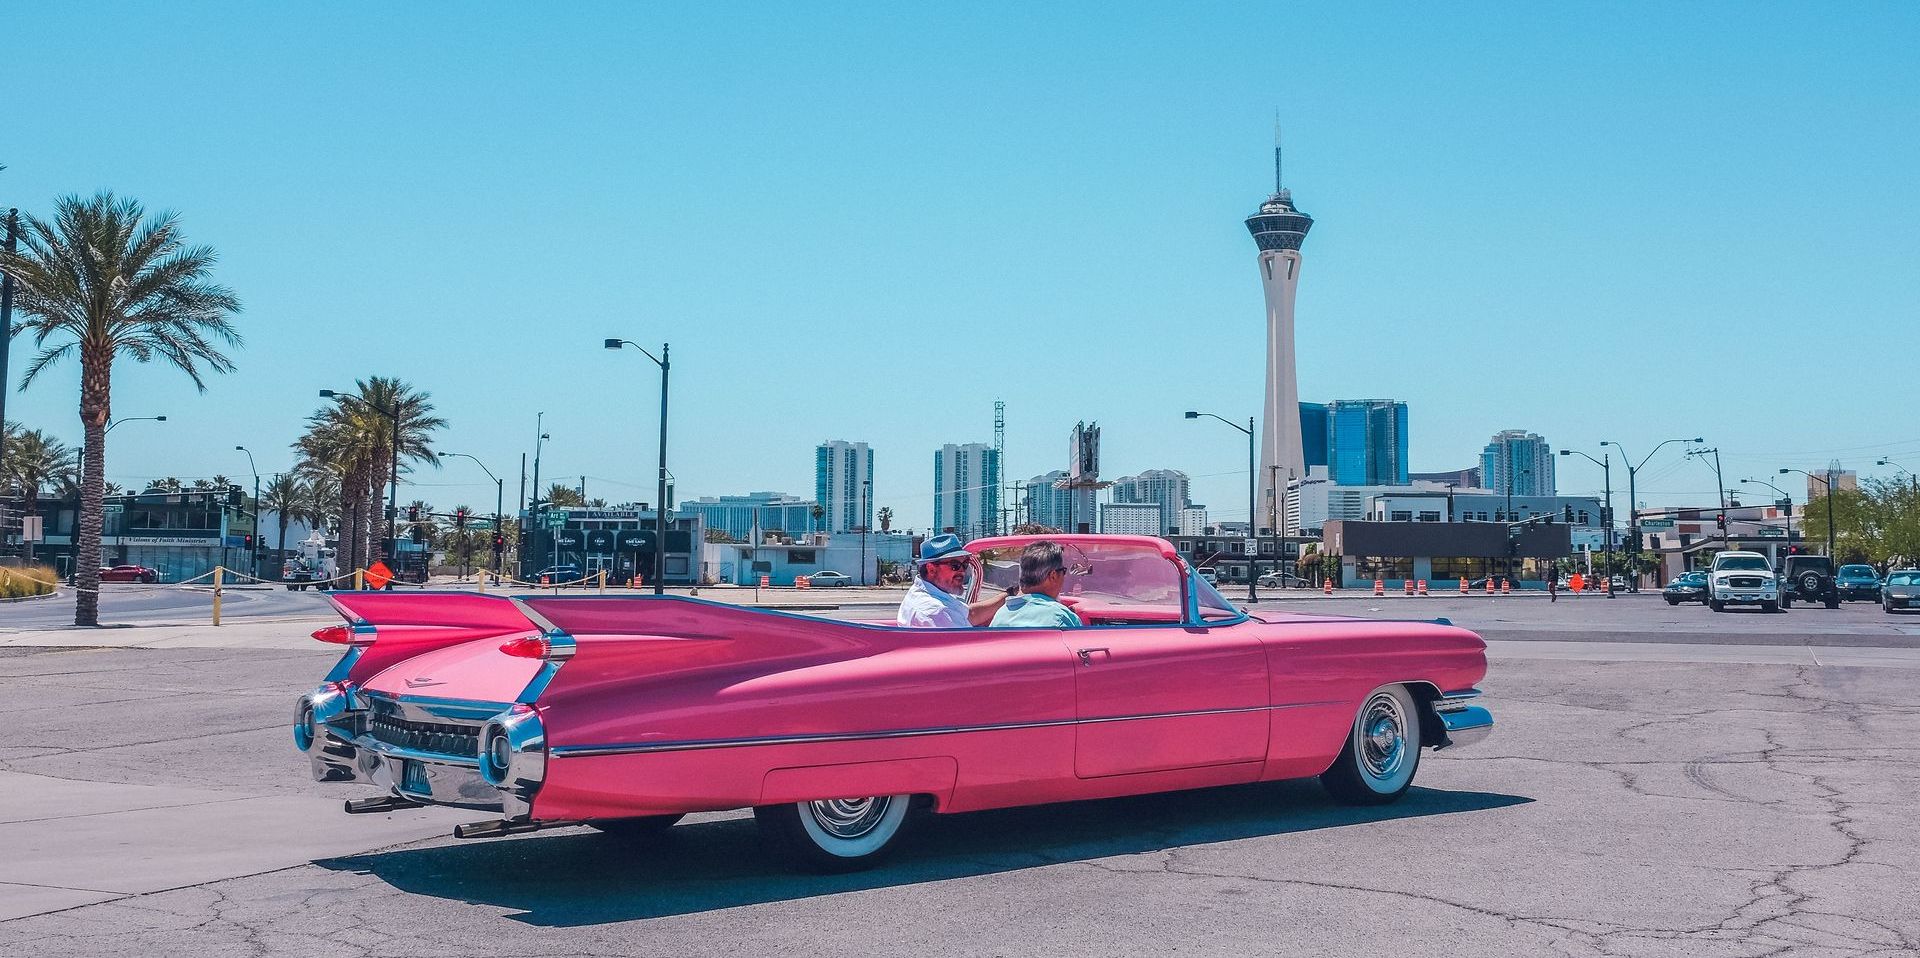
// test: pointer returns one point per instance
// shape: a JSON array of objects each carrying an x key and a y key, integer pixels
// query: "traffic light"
[
  {"x": 413, "y": 513},
  {"x": 1569, "y": 509},
  {"x": 499, "y": 543},
  {"x": 248, "y": 540},
  {"x": 460, "y": 518},
  {"x": 1721, "y": 519}
]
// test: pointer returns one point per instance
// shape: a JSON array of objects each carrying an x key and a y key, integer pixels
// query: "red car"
[
  {"x": 625, "y": 713},
  {"x": 129, "y": 573}
]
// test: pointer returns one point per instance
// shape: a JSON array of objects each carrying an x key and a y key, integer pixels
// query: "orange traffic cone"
[
  {"x": 1379, "y": 587},
  {"x": 1328, "y": 587},
  {"x": 1463, "y": 585},
  {"x": 1423, "y": 587},
  {"x": 544, "y": 580},
  {"x": 1506, "y": 587},
  {"x": 1409, "y": 586},
  {"x": 1489, "y": 585}
]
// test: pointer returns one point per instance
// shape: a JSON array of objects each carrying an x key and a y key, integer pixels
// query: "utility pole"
[
  {"x": 1606, "y": 509},
  {"x": 6, "y": 327},
  {"x": 1720, "y": 484}
]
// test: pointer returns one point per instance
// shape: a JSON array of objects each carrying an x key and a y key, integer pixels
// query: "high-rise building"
[
  {"x": 1278, "y": 230},
  {"x": 966, "y": 490},
  {"x": 1131, "y": 519},
  {"x": 1313, "y": 434},
  {"x": 1046, "y": 503},
  {"x": 1366, "y": 442},
  {"x": 843, "y": 484},
  {"x": 1844, "y": 480},
  {"x": 1519, "y": 462},
  {"x": 773, "y": 511},
  {"x": 1167, "y": 488},
  {"x": 1193, "y": 521}
]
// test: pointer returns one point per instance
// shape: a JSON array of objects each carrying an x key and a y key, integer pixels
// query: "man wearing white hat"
[{"x": 937, "y": 599}]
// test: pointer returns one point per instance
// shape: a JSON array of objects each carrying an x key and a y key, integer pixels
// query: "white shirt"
[{"x": 927, "y": 606}]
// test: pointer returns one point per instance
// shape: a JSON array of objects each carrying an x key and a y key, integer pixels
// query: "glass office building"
[{"x": 1365, "y": 442}]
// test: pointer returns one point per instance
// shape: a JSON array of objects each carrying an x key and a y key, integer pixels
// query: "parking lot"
[{"x": 1662, "y": 781}]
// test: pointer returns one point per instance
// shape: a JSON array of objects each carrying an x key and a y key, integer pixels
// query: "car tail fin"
[{"x": 389, "y": 627}]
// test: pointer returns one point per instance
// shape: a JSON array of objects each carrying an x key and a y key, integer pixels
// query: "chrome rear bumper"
[{"x": 333, "y": 725}]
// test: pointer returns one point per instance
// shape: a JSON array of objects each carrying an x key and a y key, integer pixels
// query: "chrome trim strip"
[
  {"x": 366, "y": 742},
  {"x": 426, "y": 708},
  {"x": 630, "y": 748}
]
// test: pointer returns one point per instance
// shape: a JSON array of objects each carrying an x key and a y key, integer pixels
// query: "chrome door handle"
[{"x": 1086, "y": 655}]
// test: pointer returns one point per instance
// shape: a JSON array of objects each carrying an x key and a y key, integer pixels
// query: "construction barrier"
[
  {"x": 1463, "y": 585},
  {"x": 1423, "y": 587},
  {"x": 1489, "y": 585},
  {"x": 1506, "y": 587},
  {"x": 1327, "y": 587},
  {"x": 1379, "y": 587},
  {"x": 1409, "y": 586}
]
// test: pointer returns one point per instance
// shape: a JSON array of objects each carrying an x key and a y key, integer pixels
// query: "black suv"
[{"x": 1808, "y": 579}]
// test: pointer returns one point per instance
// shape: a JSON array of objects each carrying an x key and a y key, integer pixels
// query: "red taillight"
[
  {"x": 336, "y": 634},
  {"x": 528, "y": 647}
]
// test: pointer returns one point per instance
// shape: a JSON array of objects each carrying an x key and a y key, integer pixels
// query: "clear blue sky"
[{"x": 871, "y": 222}]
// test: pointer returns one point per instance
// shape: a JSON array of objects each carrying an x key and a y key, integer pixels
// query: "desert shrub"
[{"x": 19, "y": 581}]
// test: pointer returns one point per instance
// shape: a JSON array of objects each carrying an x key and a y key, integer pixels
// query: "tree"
[
  {"x": 1879, "y": 522},
  {"x": 34, "y": 460},
  {"x": 350, "y": 445},
  {"x": 103, "y": 281},
  {"x": 286, "y": 494},
  {"x": 817, "y": 512},
  {"x": 168, "y": 484},
  {"x": 561, "y": 494},
  {"x": 886, "y": 518},
  {"x": 718, "y": 535}
]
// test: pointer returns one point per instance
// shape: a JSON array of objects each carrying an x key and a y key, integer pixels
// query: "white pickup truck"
[{"x": 1742, "y": 578}]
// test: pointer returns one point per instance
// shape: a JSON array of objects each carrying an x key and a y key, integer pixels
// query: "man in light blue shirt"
[{"x": 1043, "y": 572}]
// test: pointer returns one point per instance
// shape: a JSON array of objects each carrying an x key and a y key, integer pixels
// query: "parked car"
[
  {"x": 829, "y": 579},
  {"x": 1282, "y": 580},
  {"x": 1857, "y": 582},
  {"x": 626, "y": 713},
  {"x": 1688, "y": 587},
  {"x": 1742, "y": 578},
  {"x": 1808, "y": 579},
  {"x": 558, "y": 574},
  {"x": 129, "y": 573},
  {"x": 1212, "y": 577},
  {"x": 1902, "y": 590}
]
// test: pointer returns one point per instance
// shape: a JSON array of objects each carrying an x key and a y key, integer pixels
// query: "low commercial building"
[
  {"x": 782, "y": 560},
  {"x": 1442, "y": 552},
  {"x": 1131, "y": 518},
  {"x": 180, "y": 534},
  {"x": 618, "y": 540}
]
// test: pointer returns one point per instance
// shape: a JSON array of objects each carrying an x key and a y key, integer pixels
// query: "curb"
[{"x": 31, "y": 598}]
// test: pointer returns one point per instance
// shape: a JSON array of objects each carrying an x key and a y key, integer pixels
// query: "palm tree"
[
  {"x": 169, "y": 484},
  {"x": 352, "y": 441},
  {"x": 34, "y": 461},
  {"x": 104, "y": 282},
  {"x": 286, "y": 494},
  {"x": 561, "y": 494},
  {"x": 886, "y": 518}
]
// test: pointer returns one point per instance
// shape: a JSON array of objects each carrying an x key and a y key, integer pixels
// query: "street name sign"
[{"x": 1656, "y": 523}]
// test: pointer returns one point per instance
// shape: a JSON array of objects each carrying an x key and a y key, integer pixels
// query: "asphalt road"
[
  {"x": 151, "y": 803},
  {"x": 131, "y": 603}
]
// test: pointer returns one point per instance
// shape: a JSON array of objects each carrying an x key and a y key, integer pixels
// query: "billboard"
[{"x": 1083, "y": 452}]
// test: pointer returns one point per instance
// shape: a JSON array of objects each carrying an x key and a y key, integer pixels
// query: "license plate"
[{"x": 413, "y": 778}]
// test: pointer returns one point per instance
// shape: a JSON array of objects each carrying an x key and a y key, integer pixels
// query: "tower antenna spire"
[{"x": 1277, "y": 184}]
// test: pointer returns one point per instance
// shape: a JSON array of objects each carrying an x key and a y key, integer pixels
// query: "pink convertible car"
[{"x": 625, "y": 713}]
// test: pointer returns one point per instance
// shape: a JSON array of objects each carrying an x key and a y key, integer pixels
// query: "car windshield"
[
  {"x": 1740, "y": 563},
  {"x": 1903, "y": 578},
  {"x": 1693, "y": 578},
  {"x": 1113, "y": 580},
  {"x": 1858, "y": 571}
]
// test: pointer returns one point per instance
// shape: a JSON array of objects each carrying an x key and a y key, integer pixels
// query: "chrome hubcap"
[
  {"x": 849, "y": 817},
  {"x": 1383, "y": 737}
]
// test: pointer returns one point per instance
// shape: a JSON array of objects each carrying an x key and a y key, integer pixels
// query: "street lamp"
[
  {"x": 1785, "y": 502},
  {"x": 1914, "y": 480},
  {"x": 1827, "y": 484},
  {"x": 660, "y": 505},
  {"x": 253, "y": 552},
  {"x": 499, "y": 498},
  {"x": 1633, "y": 494},
  {"x": 393, "y": 479},
  {"x": 115, "y": 422},
  {"x": 1606, "y": 512},
  {"x": 1253, "y": 532},
  {"x": 866, "y": 522}
]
